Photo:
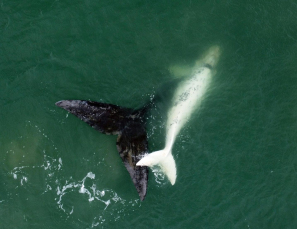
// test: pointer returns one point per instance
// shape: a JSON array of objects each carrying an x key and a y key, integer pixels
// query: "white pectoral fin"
[
  {"x": 180, "y": 70},
  {"x": 164, "y": 159}
]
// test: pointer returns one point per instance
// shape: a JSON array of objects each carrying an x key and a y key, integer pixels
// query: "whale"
[
  {"x": 187, "y": 97},
  {"x": 128, "y": 124}
]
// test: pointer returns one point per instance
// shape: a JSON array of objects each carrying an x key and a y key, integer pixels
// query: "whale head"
[{"x": 211, "y": 56}]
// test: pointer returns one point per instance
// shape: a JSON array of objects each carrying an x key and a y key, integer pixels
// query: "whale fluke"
[
  {"x": 164, "y": 159},
  {"x": 127, "y": 123}
]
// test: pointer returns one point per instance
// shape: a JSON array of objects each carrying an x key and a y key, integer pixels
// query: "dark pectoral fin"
[
  {"x": 106, "y": 118},
  {"x": 131, "y": 149}
]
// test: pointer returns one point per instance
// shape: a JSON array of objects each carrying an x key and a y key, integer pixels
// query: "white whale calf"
[{"x": 187, "y": 97}]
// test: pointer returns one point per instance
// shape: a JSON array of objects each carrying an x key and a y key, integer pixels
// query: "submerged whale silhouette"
[
  {"x": 128, "y": 124},
  {"x": 188, "y": 96}
]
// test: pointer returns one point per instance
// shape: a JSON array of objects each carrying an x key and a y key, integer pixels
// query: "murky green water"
[{"x": 236, "y": 158}]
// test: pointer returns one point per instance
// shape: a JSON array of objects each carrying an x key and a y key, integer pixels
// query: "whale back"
[{"x": 187, "y": 98}]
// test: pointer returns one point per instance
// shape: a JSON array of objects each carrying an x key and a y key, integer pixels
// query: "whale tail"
[
  {"x": 164, "y": 159},
  {"x": 128, "y": 124}
]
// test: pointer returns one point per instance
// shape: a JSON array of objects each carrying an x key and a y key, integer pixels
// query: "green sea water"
[{"x": 236, "y": 158}]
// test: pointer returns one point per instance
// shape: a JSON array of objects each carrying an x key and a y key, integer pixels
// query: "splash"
[
  {"x": 159, "y": 175},
  {"x": 66, "y": 192},
  {"x": 92, "y": 192}
]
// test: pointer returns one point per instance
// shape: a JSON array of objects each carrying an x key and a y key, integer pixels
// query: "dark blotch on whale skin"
[
  {"x": 208, "y": 66},
  {"x": 127, "y": 123}
]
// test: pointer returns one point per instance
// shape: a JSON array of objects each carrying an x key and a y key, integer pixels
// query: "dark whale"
[{"x": 128, "y": 124}]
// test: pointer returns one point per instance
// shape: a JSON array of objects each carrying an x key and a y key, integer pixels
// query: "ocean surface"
[{"x": 236, "y": 157}]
